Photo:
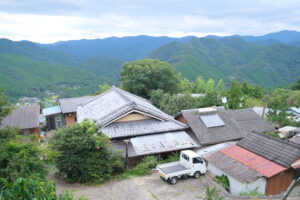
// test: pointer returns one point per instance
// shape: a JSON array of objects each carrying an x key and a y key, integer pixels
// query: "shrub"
[
  {"x": 85, "y": 154},
  {"x": 8, "y": 134},
  {"x": 23, "y": 160},
  {"x": 27, "y": 189},
  {"x": 211, "y": 193},
  {"x": 223, "y": 180},
  {"x": 253, "y": 193}
]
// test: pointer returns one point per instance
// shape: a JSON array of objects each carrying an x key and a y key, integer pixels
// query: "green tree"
[
  {"x": 210, "y": 86},
  {"x": 5, "y": 106},
  {"x": 172, "y": 104},
  {"x": 235, "y": 96},
  {"x": 296, "y": 85},
  {"x": 210, "y": 99},
  {"x": 141, "y": 77},
  {"x": 85, "y": 154},
  {"x": 220, "y": 86},
  {"x": 103, "y": 88},
  {"x": 200, "y": 85},
  {"x": 185, "y": 86}
]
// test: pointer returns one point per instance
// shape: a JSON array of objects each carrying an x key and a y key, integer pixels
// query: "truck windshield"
[{"x": 197, "y": 160}]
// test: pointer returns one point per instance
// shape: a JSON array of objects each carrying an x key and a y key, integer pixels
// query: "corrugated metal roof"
[
  {"x": 232, "y": 167},
  {"x": 51, "y": 110},
  {"x": 262, "y": 165},
  {"x": 162, "y": 142},
  {"x": 69, "y": 105},
  {"x": 23, "y": 117}
]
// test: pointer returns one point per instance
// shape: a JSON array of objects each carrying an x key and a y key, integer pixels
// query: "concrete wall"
[
  {"x": 133, "y": 117},
  {"x": 237, "y": 187}
]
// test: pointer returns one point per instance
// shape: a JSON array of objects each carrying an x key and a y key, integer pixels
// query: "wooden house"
[
  {"x": 26, "y": 118},
  {"x": 257, "y": 162},
  {"x": 126, "y": 117}
]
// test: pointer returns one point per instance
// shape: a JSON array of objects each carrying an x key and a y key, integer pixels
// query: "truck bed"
[{"x": 174, "y": 168}]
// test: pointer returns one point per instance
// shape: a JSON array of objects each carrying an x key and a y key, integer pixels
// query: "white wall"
[{"x": 237, "y": 187}]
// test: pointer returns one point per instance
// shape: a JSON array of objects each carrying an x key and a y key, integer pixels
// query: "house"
[
  {"x": 26, "y": 118},
  {"x": 68, "y": 108},
  {"x": 53, "y": 117},
  {"x": 126, "y": 117},
  {"x": 216, "y": 125},
  {"x": 261, "y": 111},
  {"x": 257, "y": 162}
]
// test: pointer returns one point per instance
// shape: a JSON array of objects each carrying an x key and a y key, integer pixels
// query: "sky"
[{"x": 48, "y": 21}]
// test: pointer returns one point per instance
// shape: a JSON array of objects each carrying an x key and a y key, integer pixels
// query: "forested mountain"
[
  {"x": 22, "y": 76},
  {"x": 233, "y": 58},
  {"x": 125, "y": 48},
  {"x": 29, "y": 69}
]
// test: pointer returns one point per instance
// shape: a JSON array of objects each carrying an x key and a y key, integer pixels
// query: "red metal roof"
[{"x": 265, "y": 167}]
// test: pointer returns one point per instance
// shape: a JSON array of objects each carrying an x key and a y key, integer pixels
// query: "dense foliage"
[
  {"x": 21, "y": 76},
  {"x": 174, "y": 103},
  {"x": 143, "y": 76},
  {"x": 5, "y": 106},
  {"x": 85, "y": 155},
  {"x": 29, "y": 189},
  {"x": 280, "y": 102},
  {"x": 26, "y": 160},
  {"x": 232, "y": 58}
]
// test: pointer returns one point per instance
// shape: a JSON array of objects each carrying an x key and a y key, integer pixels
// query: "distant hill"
[
  {"x": 22, "y": 76},
  {"x": 124, "y": 48},
  {"x": 77, "y": 67},
  {"x": 233, "y": 58},
  {"x": 35, "y": 52},
  {"x": 291, "y": 38}
]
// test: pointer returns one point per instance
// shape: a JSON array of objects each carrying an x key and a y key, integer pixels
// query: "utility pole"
[{"x": 126, "y": 152}]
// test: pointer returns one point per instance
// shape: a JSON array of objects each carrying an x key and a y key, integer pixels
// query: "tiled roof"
[
  {"x": 262, "y": 165},
  {"x": 141, "y": 127},
  {"x": 69, "y": 105},
  {"x": 249, "y": 121},
  {"x": 281, "y": 152},
  {"x": 213, "y": 135},
  {"x": 114, "y": 103},
  {"x": 232, "y": 167},
  {"x": 23, "y": 117}
]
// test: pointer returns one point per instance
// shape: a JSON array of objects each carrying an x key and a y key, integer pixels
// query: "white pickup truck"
[{"x": 190, "y": 164}]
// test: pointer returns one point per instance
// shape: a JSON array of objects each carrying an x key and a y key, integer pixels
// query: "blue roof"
[{"x": 51, "y": 110}]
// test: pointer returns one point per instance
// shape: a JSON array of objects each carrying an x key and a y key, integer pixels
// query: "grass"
[{"x": 252, "y": 193}]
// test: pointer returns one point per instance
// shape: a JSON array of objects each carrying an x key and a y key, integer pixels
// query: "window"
[
  {"x": 197, "y": 160},
  {"x": 212, "y": 120},
  {"x": 185, "y": 157}
]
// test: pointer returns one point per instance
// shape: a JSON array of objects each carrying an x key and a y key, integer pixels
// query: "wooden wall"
[
  {"x": 70, "y": 118},
  {"x": 133, "y": 117},
  {"x": 279, "y": 182},
  {"x": 181, "y": 119}
]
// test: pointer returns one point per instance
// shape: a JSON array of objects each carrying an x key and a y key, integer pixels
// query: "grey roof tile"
[
  {"x": 69, "y": 105},
  {"x": 213, "y": 135},
  {"x": 281, "y": 152},
  {"x": 23, "y": 117},
  {"x": 141, "y": 127}
]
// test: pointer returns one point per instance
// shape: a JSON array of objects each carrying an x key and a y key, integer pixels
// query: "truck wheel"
[
  {"x": 197, "y": 175},
  {"x": 173, "y": 180}
]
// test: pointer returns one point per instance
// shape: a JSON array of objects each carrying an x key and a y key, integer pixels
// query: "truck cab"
[{"x": 189, "y": 164}]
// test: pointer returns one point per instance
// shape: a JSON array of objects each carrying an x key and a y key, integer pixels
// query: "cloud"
[{"x": 49, "y": 21}]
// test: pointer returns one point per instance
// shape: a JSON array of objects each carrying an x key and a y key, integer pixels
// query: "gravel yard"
[{"x": 146, "y": 188}]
